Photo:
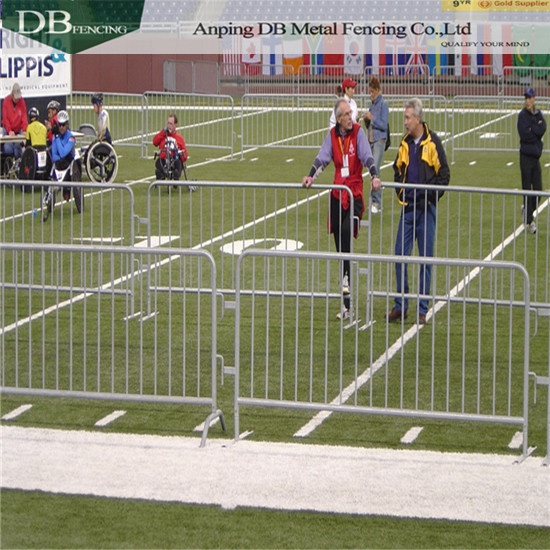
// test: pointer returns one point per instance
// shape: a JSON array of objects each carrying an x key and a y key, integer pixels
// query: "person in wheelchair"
[
  {"x": 52, "y": 124},
  {"x": 37, "y": 134},
  {"x": 103, "y": 132},
  {"x": 63, "y": 148},
  {"x": 35, "y": 163},
  {"x": 172, "y": 153}
]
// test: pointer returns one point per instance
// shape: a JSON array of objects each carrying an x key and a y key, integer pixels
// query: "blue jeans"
[
  {"x": 13, "y": 149},
  {"x": 415, "y": 224},
  {"x": 377, "y": 149}
]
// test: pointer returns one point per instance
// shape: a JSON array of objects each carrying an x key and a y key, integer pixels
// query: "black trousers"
[
  {"x": 531, "y": 179},
  {"x": 344, "y": 224}
]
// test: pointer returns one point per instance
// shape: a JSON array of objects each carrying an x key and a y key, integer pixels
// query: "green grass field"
[{"x": 45, "y": 516}]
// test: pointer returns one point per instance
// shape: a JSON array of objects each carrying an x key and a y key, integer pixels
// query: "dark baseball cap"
[{"x": 529, "y": 92}]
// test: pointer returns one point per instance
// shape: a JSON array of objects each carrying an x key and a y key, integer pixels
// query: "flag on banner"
[
  {"x": 251, "y": 56},
  {"x": 503, "y": 57},
  {"x": 333, "y": 54},
  {"x": 395, "y": 52},
  {"x": 416, "y": 53},
  {"x": 437, "y": 57},
  {"x": 313, "y": 53},
  {"x": 483, "y": 52},
  {"x": 372, "y": 55},
  {"x": 231, "y": 55},
  {"x": 522, "y": 57},
  {"x": 272, "y": 55},
  {"x": 292, "y": 53},
  {"x": 252, "y": 50},
  {"x": 354, "y": 58}
]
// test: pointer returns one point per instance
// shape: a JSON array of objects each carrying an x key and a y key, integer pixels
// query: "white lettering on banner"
[
  {"x": 56, "y": 25},
  {"x": 37, "y": 75}
]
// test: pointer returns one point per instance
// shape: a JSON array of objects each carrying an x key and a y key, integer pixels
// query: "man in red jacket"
[
  {"x": 347, "y": 146},
  {"x": 172, "y": 151},
  {"x": 14, "y": 120}
]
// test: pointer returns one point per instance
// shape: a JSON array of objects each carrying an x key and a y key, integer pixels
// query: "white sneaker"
[
  {"x": 532, "y": 228},
  {"x": 345, "y": 285},
  {"x": 375, "y": 208},
  {"x": 344, "y": 314}
]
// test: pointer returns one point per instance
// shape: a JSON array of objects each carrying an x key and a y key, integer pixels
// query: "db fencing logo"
[
  {"x": 54, "y": 22},
  {"x": 71, "y": 26}
]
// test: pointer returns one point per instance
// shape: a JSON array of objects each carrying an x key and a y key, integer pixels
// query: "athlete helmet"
[
  {"x": 97, "y": 99},
  {"x": 33, "y": 113},
  {"x": 55, "y": 105},
  {"x": 62, "y": 117}
]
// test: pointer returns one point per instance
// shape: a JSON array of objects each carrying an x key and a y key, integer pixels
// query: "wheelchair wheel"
[
  {"x": 27, "y": 167},
  {"x": 10, "y": 168},
  {"x": 78, "y": 192},
  {"x": 101, "y": 162}
]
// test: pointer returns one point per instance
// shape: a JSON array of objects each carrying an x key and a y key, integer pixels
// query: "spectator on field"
[
  {"x": 346, "y": 90},
  {"x": 36, "y": 134},
  {"x": 420, "y": 159},
  {"x": 170, "y": 144},
  {"x": 531, "y": 127},
  {"x": 103, "y": 132},
  {"x": 377, "y": 120},
  {"x": 347, "y": 146},
  {"x": 14, "y": 120},
  {"x": 52, "y": 124}
]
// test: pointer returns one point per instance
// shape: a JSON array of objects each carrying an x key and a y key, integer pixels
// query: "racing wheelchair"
[
  {"x": 98, "y": 157},
  {"x": 59, "y": 174},
  {"x": 169, "y": 166},
  {"x": 35, "y": 164}
]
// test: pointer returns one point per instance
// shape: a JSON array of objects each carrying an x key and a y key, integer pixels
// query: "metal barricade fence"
[
  {"x": 491, "y": 123},
  {"x": 470, "y": 363},
  {"x": 204, "y": 120},
  {"x": 108, "y": 216},
  {"x": 476, "y": 223},
  {"x": 516, "y": 79},
  {"x": 285, "y": 120},
  {"x": 77, "y": 334},
  {"x": 225, "y": 218},
  {"x": 278, "y": 121},
  {"x": 411, "y": 80},
  {"x": 467, "y": 80},
  {"x": 125, "y": 115}
]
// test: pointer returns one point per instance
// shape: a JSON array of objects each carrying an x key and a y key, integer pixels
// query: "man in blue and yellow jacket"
[{"x": 420, "y": 159}]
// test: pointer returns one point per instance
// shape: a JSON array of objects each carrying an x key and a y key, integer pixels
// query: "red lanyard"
[{"x": 345, "y": 141}]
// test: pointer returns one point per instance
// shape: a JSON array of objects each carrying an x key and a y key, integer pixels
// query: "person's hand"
[
  {"x": 307, "y": 181},
  {"x": 375, "y": 183},
  {"x": 367, "y": 116}
]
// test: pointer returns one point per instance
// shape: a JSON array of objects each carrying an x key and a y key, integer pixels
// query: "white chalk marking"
[
  {"x": 157, "y": 241},
  {"x": 109, "y": 418},
  {"x": 411, "y": 435},
  {"x": 16, "y": 412},
  {"x": 517, "y": 441}
]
